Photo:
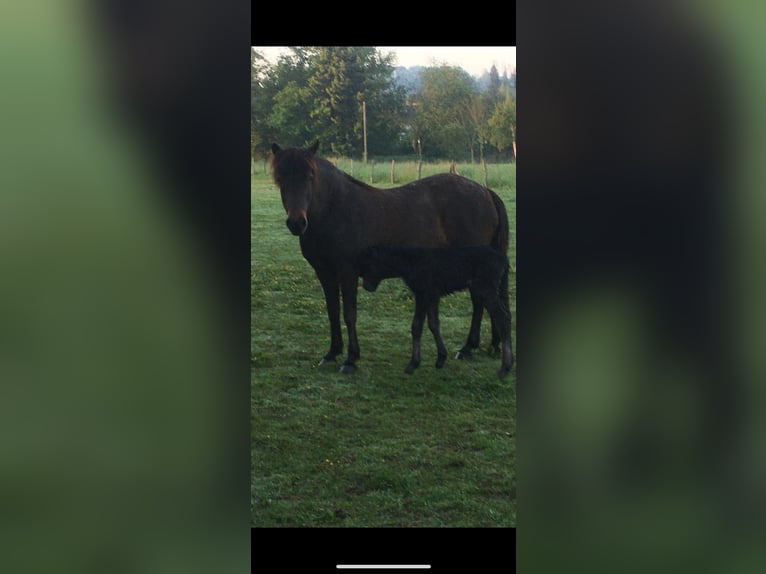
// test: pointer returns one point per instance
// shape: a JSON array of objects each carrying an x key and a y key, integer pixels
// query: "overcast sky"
[{"x": 473, "y": 59}]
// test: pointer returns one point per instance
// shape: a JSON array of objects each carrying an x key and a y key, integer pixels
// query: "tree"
[
  {"x": 494, "y": 84},
  {"x": 334, "y": 87},
  {"x": 258, "y": 126},
  {"x": 344, "y": 77},
  {"x": 502, "y": 124},
  {"x": 442, "y": 110},
  {"x": 316, "y": 92},
  {"x": 285, "y": 99},
  {"x": 479, "y": 113}
]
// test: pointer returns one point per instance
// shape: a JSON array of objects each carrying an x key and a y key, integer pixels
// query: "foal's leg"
[
  {"x": 349, "y": 286},
  {"x": 332, "y": 301},
  {"x": 433, "y": 325},
  {"x": 421, "y": 308},
  {"x": 475, "y": 331}
]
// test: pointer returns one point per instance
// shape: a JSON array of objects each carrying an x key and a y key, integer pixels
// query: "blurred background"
[
  {"x": 641, "y": 205},
  {"x": 124, "y": 291}
]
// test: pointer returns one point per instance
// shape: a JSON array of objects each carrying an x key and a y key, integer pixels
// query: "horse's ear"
[
  {"x": 313, "y": 149},
  {"x": 275, "y": 148}
]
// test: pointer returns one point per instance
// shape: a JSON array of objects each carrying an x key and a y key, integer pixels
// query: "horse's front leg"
[
  {"x": 332, "y": 301},
  {"x": 349, "y": 285}
]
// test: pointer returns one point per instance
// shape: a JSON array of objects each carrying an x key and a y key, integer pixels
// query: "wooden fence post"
[
  {"x": 420, "y": 163},
  {"x": 393, "y": 171},
  {"x": 372, "y": 171},
  {"x": 484, "y": 165}
]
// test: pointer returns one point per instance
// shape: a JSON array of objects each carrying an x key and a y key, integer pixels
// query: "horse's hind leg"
[
  {"x": 474, "y": 333},
  {"x": 433, "y": 325}
]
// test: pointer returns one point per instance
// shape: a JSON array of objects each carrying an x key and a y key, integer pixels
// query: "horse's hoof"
[
  {"x": 464, "y": 354},
  {"x": 440, "y": 362},
  {"x": 347, "y": 369},
  {"x": 409, "y": 369}
]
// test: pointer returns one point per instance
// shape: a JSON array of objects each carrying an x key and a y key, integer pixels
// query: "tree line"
[{"x": 317, "y": 92}]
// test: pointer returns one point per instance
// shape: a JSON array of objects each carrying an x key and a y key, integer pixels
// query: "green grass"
[{"x": 379, "y": 447}]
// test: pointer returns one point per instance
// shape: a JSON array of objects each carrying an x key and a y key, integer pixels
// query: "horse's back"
[{"x": 465, "y": 208}]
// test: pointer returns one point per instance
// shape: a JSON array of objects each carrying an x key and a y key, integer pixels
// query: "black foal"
[{"x": 434, "y": 272}]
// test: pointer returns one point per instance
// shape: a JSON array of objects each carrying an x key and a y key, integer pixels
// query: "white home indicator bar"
[{"x": 383, "y": 566}]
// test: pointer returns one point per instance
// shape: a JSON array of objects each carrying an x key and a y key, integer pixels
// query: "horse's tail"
[{"x": 500, "y": 240}]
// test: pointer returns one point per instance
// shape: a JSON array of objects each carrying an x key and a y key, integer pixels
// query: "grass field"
[{"x": 379, "y": 447}]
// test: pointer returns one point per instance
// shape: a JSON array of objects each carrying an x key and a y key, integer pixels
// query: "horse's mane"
[
  {"x": 330, "y": 169},
  {"x": 296, "y": 158}
]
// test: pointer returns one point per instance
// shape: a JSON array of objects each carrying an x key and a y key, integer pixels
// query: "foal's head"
[
  {"x": 375, "y": 264},
  {"x": 295, "y": 171}
]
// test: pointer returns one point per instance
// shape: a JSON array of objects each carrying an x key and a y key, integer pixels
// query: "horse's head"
[{"x": 295, "y": 172}]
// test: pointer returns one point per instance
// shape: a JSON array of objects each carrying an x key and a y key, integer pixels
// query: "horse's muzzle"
[{"x": 297, "y": 225}]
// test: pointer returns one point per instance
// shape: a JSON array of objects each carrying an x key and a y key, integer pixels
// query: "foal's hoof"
[
  {"x": 409, "y": 369},
  {"x": 464, "y": 354},
  {"x": 440, "y": 361},
  {"x": 347, "y": 369}
]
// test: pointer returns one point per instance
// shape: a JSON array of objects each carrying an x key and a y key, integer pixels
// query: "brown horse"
[{"x": 337, "y": 217}]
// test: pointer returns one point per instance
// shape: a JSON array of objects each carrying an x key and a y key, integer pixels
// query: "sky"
[{"x": 473, "y": 59}]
